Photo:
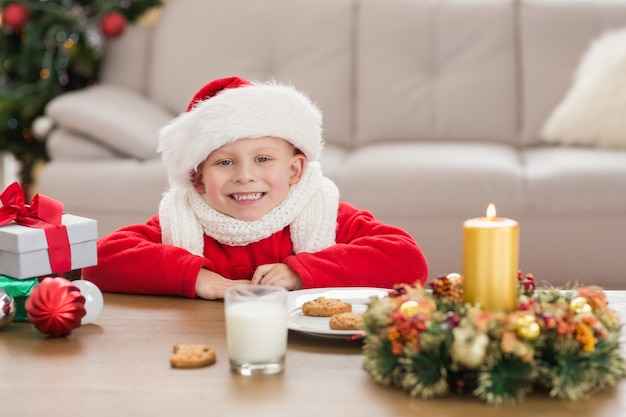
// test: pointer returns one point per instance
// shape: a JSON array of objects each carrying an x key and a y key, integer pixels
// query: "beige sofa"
[{"x": 432, "y": 110}]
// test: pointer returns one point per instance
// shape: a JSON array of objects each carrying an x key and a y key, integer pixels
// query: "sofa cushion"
[
  {"x": 127, "y": 59},
  {"x": 444, "y": 70},
  {"x": 593, "y": 110},
  {"x": 430, "y": 180},
  {"x": 575, "y": 181},
  {"x": 64, "y": 144},
  {"x": 119, "y": 186},
  {"x": 122, "y": 120},
  {"x": 306, "y": 44},
  {"x": 553, "y": 36}
]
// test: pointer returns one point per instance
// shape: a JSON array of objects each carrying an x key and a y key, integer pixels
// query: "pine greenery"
[{"x": 59, "y": 48}]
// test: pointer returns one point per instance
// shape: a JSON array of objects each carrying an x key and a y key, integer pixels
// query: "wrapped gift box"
[
  {"x": 24, "y": 250},
  {"x": 19, "y": 289}
]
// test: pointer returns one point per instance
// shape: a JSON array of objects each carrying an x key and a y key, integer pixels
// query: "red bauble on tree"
[
  {"x": 113, "y": 24},
  {"x": 55, "y": 306},
  {"x": 15, "y": 16}
]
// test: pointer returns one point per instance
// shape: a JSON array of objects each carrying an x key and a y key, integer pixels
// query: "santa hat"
[
  {"x": 232, "y": 108},
  {"x": 222, "y": 112}
]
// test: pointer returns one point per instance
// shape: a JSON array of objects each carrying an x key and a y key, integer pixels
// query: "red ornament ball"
[
  {"x": 55, "y": 306},
  {"x": 113, "y": 24},
  {"x": 15, "y": 15}
]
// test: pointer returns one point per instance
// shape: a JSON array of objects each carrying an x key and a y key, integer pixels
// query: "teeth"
[{"x": 242, "y": 197}]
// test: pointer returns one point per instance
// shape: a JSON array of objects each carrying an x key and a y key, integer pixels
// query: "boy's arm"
[
  {"x": 133, "y": 259},
  {"x": 367, "y": 253}
]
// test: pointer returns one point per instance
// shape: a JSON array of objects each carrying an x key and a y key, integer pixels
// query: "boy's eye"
[
  {"x": 262, "y": 159},
  {"x": 224, "y": 162}
]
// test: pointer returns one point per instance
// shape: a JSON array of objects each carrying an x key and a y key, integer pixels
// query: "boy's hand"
[
  {"x": 277, "y": 274},
  {"x": 212, "y": 286}
]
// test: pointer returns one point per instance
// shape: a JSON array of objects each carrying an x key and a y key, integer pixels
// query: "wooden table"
[{"x": 119, "y": 366}]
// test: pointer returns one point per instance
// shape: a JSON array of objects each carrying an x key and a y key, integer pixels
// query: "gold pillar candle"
[{"x": 490, "y": 262}]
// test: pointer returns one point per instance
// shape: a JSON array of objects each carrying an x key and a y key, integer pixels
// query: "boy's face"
[{"x": 249, "y": 177}]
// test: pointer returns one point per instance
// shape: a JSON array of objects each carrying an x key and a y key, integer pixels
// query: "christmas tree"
[{"x": 48, "y": 47}]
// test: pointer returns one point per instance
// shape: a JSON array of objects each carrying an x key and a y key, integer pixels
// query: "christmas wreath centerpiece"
[{"x": 429, "y": 343}]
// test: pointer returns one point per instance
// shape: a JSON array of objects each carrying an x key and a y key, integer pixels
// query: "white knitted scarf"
[{"x": 310, "y": 210}]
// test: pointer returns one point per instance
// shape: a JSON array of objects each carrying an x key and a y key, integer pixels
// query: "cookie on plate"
[
  {"x": 192, "y": 356},
  {"x": 325, "y": 307},
  {"x": 346, "y": 321}
]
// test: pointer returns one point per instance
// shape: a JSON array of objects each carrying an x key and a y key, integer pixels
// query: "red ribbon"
[{"x": 42, "y": 213}]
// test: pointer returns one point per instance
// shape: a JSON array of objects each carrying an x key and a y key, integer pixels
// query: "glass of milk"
[{"x": 256, "y": 328}]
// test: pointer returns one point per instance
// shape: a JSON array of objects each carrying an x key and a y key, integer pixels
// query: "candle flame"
[{"x": 491, "y": 211}]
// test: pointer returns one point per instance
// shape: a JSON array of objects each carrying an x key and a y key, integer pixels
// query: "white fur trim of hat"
[{"x": 229, "y": 109}]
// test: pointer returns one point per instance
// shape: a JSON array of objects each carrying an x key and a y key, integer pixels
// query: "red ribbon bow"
[{"x": 42, "y": 213}]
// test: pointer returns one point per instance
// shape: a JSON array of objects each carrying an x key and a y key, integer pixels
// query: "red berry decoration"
[
  {"x": 55, "y": 306},
  {"x": 453, "y": 319},
  {"x": 15, "y": 16},
  {"x": 113, "y": 24}
]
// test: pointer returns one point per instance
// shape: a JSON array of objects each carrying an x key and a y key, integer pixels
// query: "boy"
[{"x": 248, "y": 203}]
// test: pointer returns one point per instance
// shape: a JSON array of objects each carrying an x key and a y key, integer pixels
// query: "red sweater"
[{"x": 368, "y": 253}]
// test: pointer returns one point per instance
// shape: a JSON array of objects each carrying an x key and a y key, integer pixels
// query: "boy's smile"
[
  {"x": 247, "y": 178},
  {"x": 247, "y": 197}
]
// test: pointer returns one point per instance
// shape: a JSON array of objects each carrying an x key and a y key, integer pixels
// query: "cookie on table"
[
  {"x": 346, "y": 321},
  {"x": 325, "y": 307},
  {"x": 192, "y": 356}
]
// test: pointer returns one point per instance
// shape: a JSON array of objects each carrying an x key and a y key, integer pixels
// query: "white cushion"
[
  {"x": 122, "y": 120},
  {"x": 592, "y": 112},
  {"x": 64, "y": 144}
]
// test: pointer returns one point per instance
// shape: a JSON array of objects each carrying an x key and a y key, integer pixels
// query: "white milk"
[{"x": 256, "y": 331}]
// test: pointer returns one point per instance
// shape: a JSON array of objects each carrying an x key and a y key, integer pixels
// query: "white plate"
[{"x": 318, "y": 326}]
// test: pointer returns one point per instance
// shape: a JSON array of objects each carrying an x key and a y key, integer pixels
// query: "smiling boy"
[
  {"x": 248, "y": 203},
  {"x": 249, "y": 177}
]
